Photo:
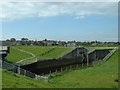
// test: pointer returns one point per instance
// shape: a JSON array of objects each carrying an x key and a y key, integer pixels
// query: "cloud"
[
  {"x": 18, "y": 10},
  {"x": 79, "y": 17}
]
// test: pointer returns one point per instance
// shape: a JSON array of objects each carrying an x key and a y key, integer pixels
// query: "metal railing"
[
  {"x": 110, "y": 54},
  {"x": 21, "y": 71}
]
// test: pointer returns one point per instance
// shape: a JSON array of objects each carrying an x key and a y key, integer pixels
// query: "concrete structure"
[
  {"x": 4, "y": 51},
  {"x": 76, "y": 56},
  {"x": 79, "y": 55},
  {"x": 97, "y": 54}
]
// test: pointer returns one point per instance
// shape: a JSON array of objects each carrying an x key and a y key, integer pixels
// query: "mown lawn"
[
  {"x": 37, "y": 50},
  {"x": 12, "y": 80},
  {"x": 99, "y": 76},
  {"x": 58, "y": 52},
  {"x": 16, "y": 55},
  {"x": 100, "y": 47}
]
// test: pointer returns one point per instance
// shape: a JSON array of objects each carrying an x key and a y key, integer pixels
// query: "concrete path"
[{"x": 33, "y": 55}]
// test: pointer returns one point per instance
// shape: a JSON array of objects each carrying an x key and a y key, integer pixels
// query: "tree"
[
  {"x": 45, "y": 40},
  {"x": 12, "y": 39},
  {"x": 8, "y": 40},
  {"x": 24, "y": 39}
]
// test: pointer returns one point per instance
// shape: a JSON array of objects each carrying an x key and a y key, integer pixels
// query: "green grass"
[
  {"x": 37, "y": 50},
  {"x": 12, "y": 80},
  {"x": 100, "y": 47},
  {"x": 16, "y": 55},
  {"x": 58, "y": 52},
  {"x": 99, "y": 76},
  {"x": 85, "y": 45}
]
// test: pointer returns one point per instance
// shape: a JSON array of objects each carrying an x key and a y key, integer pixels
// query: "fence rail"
[
  {"x": 21, "y": 71},
  {"x": 17, "y": 69},
  {"x": 81, "y": 65},
  {"x": 110, "y": 54}
]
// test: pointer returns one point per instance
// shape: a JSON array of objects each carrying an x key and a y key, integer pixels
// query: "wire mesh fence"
[
  {"x": 21, "y": 71},
  {"x": 82, "y": 65},
  {"x": 110, "y": 54},
  {"x": 17, "y": 69}
]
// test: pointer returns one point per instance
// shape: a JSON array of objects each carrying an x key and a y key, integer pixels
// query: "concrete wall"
[
  {"x": 74, "y": 57},
  {"x": 97, "y": 54},
  {"x": 78, "y": 52},
  {"x": 47, "y": 65},
  {"x": 71, "y": 58}
]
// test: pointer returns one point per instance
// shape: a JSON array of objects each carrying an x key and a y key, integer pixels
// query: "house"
[{"x": 71, "y": 44}]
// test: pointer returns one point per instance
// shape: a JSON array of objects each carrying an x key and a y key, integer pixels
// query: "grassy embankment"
[
  {"x": 99, "y": 76},
  {"x": 16, "y": 55}
]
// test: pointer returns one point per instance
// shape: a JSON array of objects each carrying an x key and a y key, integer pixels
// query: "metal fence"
[
  {"x": 21, "y": 71},
  {"x": 77, "y": 66},
  {"x": 17, "y": 69},
  {"x": 110, "y": 54}
]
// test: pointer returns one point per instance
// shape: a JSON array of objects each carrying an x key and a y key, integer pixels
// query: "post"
[
  {"x": 18, "y": 70},
  {"x": 56, "y": 71},
  {"x": 50, "y": 73},
  {"x": 24, "y": 72},
  {"x": 61, "y": 70},
  {"x": 87, "y": 60},
  {"x": 36, "y": 77}
]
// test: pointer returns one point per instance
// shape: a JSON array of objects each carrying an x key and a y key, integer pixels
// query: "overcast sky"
[{"x": 80, "y": 21}]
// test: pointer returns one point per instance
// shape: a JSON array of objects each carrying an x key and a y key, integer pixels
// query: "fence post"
[
  {"x": 56, "y": 71},
  {"x": 50, "y": 73},
  {"x": 87, "y": 61},
  {"x": 24, "y": 72},
  {"x": 18, "y": 70},
  {"x": 61, "y": 70},
  {"x": 36, "y": 76}
]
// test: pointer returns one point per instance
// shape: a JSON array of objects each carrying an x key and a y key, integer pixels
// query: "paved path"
[{"x": 33, "y": 55}]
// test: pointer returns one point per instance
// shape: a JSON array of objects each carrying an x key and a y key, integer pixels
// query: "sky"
[{"x": 80, "y": 21}]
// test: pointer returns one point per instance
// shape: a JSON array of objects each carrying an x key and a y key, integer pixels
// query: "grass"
[
  {"x": 12, "y": 80},
  {"x": 99, "y": 76},
  {"x": 100, "y": 47},
  {"x": 58, "y": 52},
  {"x": 16, "y": 55},
  {"x": 37, "y": 50}
]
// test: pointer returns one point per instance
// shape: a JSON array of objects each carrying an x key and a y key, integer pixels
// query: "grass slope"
[
  {"x": 37, "y": 50},
  {"x": 100, "y": 76},
  {"x": 58, "y": 52},
  {"x": 100, "y": 47},
  {"x": 16, "y": 55},
  {"x": 12, "y": 80}
]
